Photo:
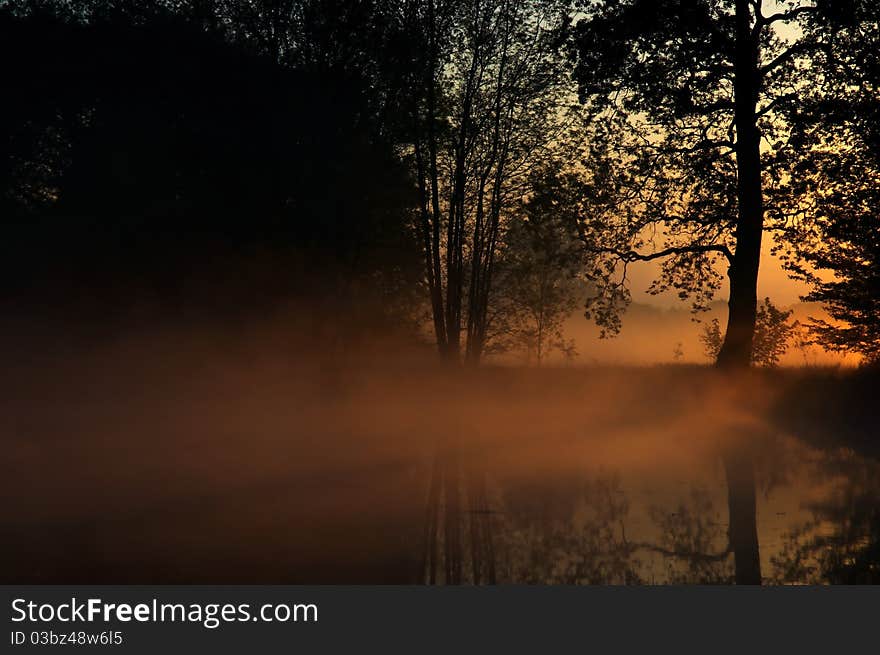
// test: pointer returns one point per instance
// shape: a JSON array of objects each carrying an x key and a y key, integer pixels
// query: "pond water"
[
  {"x": 818, "y": 521},
  {"x": 123, "y": 469}
]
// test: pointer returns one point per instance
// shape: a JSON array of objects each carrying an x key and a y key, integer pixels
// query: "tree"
[
  {"x": 196, "y": 152},
  {"x": 538, "y": 281},
  {"x": 773, "y": 333},
  {"x": 490, "y": 104},
  {"x": 489, "y": 94},
  {"x": 712, "y": 338},
  {"x": 831, "y": 219},
  {"x": 689, "y": 89}
]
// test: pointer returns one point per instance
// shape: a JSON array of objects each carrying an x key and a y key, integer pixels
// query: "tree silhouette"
[
  {"x": 689, "y": 90},
  {"x": 773, "y": 333},
  {"x": 489, "y": 105},
  {"x": 831, "y": 198},
  {"x": 538, "y": 283},
  {"x": 164, "y": 149}
]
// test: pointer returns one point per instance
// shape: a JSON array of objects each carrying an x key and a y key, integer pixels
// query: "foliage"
[
  {"x": 490, "y": 104},
  {"x": 538, "y": 281},
  {"x": 690, "y": 100},
  {"x": 198, "y": 166},
  {"x": 829, "y": 205},
  {"x": 773, "y": 335}
]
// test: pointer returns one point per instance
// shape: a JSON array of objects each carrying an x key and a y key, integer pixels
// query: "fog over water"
[{"x": 249, "y": 456}]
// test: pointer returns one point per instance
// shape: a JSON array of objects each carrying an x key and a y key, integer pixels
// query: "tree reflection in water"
[
  {"x": 689, "y": 541},
  {"x": 570, "y": 532},
  {"x": 841, "y": 542},
  {"x": 588, "y": 528},
  {"x": 581, "y": 538}
]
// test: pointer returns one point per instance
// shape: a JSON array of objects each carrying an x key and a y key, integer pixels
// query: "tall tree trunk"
[
  {"x": 432, "y": 217},
  {"x": 736, "y": 351}
]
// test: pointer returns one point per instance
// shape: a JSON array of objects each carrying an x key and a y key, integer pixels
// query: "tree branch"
[
  {"x": 774, "y": 103},
  {"x": 633, "y": 256},
  {"x": 784, "y": 57},
  {"x": 791, "y": 14}
]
